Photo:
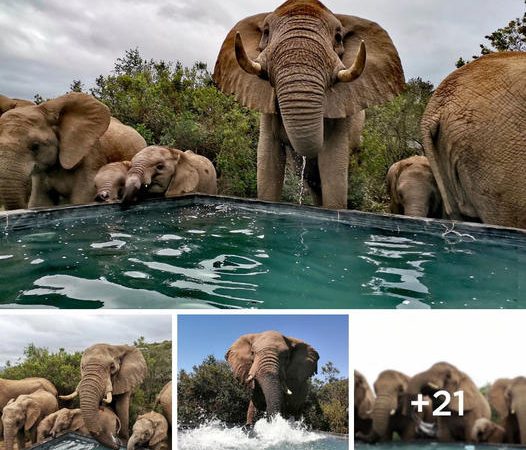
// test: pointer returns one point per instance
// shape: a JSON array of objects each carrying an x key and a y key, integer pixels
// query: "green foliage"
[
  {"x": 391, "y": 133},
  {"x": 512, "y": 38},
  {"x": 63, "y": 370},
  {"x": 211, "y": 391},
  {"x": 169, "y": 104}
]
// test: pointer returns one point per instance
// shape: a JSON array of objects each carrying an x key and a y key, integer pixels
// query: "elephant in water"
[
  {"x": 443, "y": 376},
  {"x": 311, "y": 73},
  {"x": 276, "y": 368},
  {"x": 24, "y": 414},
  {"x": 56, "y": 148},
  {"x": 109, "y": 373},
  {"x": 363, "y": 405},
  {"x": 508, "y": 399},
  {"x": 169, "y": 171},
  {"x": 413, "y": 188},
  {"x": 474, "y": 131}
]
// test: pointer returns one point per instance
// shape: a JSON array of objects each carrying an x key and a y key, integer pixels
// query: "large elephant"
[
  {"x": 149, "y": 431},
  {"x": 13, "y": 388},
  {"x": 445, "y": 376},
  {"x": 57, "y": 148},
  {"x": 109, "y": 373},
  {"x": 413, "y": 188},
  {"x": 306, "y": 70},
  {"x": 165, "y": 400},
  {"x": 508, "y": 399},
  {"x": 276, "y": 368},
  {"x": 169, "y": 171},
  {"x": 474, "y": 131},
  {"x": 24, "y": 414},
  {"x": 363, "y": 405},
  {"x": 389, "y": 414}
]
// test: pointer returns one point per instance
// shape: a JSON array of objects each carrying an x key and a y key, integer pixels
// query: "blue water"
[{"x": 237, "y": 257}]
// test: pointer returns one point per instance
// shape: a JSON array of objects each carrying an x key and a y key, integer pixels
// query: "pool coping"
[
  {"x": 51, "y": 443},
  {"x": 30, "y": 218}
]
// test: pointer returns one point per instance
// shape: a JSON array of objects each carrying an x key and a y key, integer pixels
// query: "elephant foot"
[{"x": 249, "y": 430}]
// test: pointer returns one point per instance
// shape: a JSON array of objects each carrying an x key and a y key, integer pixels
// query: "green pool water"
[
  {"x": 431, "y": 446},
  {"x": 216, "y": 254}
]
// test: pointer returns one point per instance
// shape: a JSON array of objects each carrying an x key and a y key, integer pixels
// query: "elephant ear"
[
  {"x": 382, "y": 78},
  {"x": 7, "y": 103},
  {"x": 161, "y": 431},
  {"x": 81, "y": 120},
  {"x": 32, "y": 414},
  {"x": 250, "y": 90},
  {"x": 240, "y": 356},
  {"x": 186, "y": 178},
  {"x": 303, "y": 361},
  {"x": 133, "y": 370},
  {"x": 498, "y": 399}
]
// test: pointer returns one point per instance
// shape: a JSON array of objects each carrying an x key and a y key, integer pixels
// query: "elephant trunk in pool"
[
  {"x": 136, "y": 178},
  {"x": 15, "y": 181},
  {"x": 93, "y": 387},
  {"x": 383, "y": 409},
  {"x": 300, "y": 93}
]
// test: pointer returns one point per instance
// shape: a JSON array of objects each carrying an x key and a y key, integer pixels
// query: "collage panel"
[
  {"x": 438, "y": 381},
  {"x": 85, "y": 382},
  {"x": 258, "y": 381}
]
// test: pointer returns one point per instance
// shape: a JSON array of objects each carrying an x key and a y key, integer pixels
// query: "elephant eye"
[
  {"x": 338, "y": 38},
  {"x": 159, "y": 166},
  {"x": 34, "y": 147}
]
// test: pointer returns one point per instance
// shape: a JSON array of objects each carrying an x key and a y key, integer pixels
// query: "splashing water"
[
  {"x": 302, "y": 183},
  {"x": 277, "y": 433}
]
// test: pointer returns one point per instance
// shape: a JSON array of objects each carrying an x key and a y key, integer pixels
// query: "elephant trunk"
[
  {"x": 9, "y": 436},
  {"x": 520, "y": 411},
  {"x": 132, "y": 442},
  {"x": 271, "y": 387},
  {"x": 417, "y": 209},
  {"x": 92, "y": 388},
  {"x": 384, "y": 407},
  {"x": 266, "y": 371},
  {"x": 301, "y": 78}
]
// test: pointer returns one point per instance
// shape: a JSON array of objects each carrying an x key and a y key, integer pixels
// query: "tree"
[{"x": 509, "y": 38}]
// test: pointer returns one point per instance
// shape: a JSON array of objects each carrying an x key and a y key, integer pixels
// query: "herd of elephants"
[
  {"x": 391, "y": 410},
  {"x": 311, "y": 74},
  {"x": 109, "y": 376}
]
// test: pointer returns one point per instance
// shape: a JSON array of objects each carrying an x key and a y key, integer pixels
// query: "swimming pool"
[{"x": 214, "y": 252}]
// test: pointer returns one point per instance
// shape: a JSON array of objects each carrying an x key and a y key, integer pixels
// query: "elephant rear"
[{"x": 120, "y": 142}]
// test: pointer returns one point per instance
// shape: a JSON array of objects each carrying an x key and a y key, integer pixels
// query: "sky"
[
  {"x": 45, "y": 44},
  {"x": 203, "y": 335},
  {"x": 484, "y": 344},
  {"x": 76, "y": 332}
]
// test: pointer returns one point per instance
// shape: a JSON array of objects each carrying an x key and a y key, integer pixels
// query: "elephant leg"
[
  {"x": 39, "y": 193},
  {"x": 251, "y": 413},
  {"x": 271, "y": 159},
  {"x": 333, "y": 162},
  {"x": 444, "y": 433},
  {"x": 122, "y": 409},
  {"x": 21, "y": 439},
  {"x": 33, "y": 435}
]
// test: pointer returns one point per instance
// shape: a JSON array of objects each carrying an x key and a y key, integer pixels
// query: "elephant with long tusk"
[
  {"x": 276, "y": 368},
  {"x": 311, "y": 73},
  {"x": 109, "y": 374}
]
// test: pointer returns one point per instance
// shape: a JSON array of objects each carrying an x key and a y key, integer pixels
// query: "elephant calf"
[
  {"x": 413, "y": 188},
  {"x": 149, "y": 431},
  {"x": 25, "y": 414},
  {"x": 486, "y": 431},
  {"x": 169, "y": 171},
  {"x": 109, "y": 181}
]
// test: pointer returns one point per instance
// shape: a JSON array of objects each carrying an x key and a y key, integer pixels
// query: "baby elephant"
[
  {"x": 486, "y": 431},
  {"x": 168, "y": 171},
  {"x": 109, "y": 181},
  {"x": 71, "y": 420},
  {"x": 149, "y": 431},
  {"x": 25, "y": 414},
  {"x": 413, "y": 188}
]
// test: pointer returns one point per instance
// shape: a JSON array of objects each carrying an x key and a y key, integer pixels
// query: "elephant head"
[
  {"x": 36, "y": 138},
  {"x": 275, "y": 367},
  {"x": 160, "y": 170},
  {"x": 508, "y": 399},
  {"x": 413, "y": 188},
  {"x": 110, "y": 180},
  {"x": 21, "y": 414},
  {"x": 67, "y": 420},
  {"x": 363, "y": 404},
  {"x": 106, "y": 371},
  {"x": 391, "y": 391},
  {"x": 305, "y": 63},
  {"x": 486, "y": 431},
  {"x": 149, "y": 431}
]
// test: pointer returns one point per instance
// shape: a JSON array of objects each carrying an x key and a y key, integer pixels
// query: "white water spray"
[
  {"x": 302, "y": 183},
  {"x": 277, "y": 433}
]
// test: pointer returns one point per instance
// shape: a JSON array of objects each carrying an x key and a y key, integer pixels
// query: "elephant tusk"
[
  {"x": 433, "y": 386},
  {"x": 68, "y": 397},
  {"x": 108, "y": 398},
  {"x": 249, "y": 66},
  {"x": 513, "y": 411},
  {"x": 393, "y": 412},
  {"x": 289, "y": 392},
  {"x": 353, "y": 72}
]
